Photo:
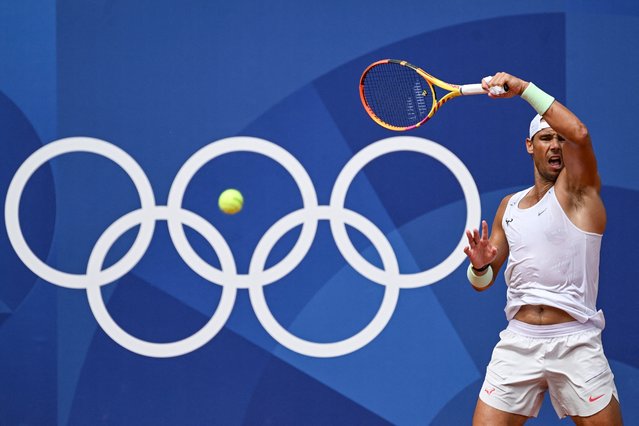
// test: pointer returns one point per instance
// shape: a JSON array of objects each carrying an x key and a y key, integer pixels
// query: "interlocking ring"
[
  {"x": 359, "y": 340},
  {"x": 94, "y": 293},
  {"x": 276, "y": 153},
  {"x": 29, "y": 167},
  {"x": 227, "y": 276},
  {"x": 423, "y": 146}
]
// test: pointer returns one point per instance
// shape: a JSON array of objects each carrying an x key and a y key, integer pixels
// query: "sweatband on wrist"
[
  {"x": 537, "y": 98},
  {"x": 479, "y": 281}
]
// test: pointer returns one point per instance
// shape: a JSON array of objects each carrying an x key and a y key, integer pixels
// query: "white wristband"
[{"x": 479, "y": 281}]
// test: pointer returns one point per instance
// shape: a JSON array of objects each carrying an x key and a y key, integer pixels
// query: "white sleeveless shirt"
[{"x": 551, "y": 261}]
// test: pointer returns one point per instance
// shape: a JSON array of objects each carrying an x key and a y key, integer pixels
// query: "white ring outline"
[
  {"x": 342, "y": 347},
  {"x": 101, "y": 313},
  {"x": 258, "y": 146},
  {"x": 423, "y": 146},
  {"x": 48, "y": 152}
]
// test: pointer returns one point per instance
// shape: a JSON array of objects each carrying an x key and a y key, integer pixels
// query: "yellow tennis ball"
[{"x": 230, "y": 201}]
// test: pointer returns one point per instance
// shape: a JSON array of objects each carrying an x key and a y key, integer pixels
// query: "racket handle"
[
  {"x": 476, "y": 89},
  {"x": 472, "y": 89}
]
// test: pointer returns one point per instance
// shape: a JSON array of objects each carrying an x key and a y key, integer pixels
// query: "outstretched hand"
[{"x": 479, "y": 250}]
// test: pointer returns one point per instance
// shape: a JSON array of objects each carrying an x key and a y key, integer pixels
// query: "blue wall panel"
[{"x": 162, "y": 80}]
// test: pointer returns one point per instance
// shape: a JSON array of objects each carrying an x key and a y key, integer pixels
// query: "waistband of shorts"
[{"x": 551, "y": 330}]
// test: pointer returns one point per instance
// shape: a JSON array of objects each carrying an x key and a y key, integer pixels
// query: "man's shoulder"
[
  {"x": 510, "y": 196},
  {"x": 504, "y": 204}
]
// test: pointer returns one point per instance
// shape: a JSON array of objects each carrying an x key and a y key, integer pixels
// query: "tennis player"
[{"x": 551, "y": 236}]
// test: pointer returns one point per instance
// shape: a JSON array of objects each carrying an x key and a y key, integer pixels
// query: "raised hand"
[{"x": 479, "y": 250}]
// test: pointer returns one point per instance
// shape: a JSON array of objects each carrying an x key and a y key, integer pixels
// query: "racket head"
[{"x": 400, "y": 96}]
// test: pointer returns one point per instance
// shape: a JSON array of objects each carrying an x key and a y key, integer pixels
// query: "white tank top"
[{"x": 551, "y": 261}]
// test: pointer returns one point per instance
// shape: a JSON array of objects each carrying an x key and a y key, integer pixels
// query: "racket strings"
[{"x": 397, "y": 94}]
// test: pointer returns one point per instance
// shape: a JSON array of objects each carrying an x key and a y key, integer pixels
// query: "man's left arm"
[{"x": 577, "y": 152}]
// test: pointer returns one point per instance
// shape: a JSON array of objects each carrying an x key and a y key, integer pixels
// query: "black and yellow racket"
[{"x": 400, "y": 96}]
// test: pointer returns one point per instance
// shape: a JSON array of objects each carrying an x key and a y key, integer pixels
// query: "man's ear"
[{"x": 529, "y": 145}]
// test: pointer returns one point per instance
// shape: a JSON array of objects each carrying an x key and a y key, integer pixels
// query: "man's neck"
[{"x": 540, "y": 189}]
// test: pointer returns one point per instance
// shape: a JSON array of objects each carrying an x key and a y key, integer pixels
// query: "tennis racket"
[{"x": 400, "y": 96}]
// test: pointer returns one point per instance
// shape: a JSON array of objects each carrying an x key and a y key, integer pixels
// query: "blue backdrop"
[{"x": 147, "y": 84}]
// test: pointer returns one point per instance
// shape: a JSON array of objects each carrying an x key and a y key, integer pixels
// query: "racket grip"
[{"x": 472, "y": 89}]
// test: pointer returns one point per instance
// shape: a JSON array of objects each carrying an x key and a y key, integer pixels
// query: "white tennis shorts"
[{"x": 565, "y": 359}]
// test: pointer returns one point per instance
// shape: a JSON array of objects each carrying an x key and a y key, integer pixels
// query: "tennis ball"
[{"x": 230, "y": 201}]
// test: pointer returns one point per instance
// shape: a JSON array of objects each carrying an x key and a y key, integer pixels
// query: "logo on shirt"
[
  {"x": 539, "y": 214},
  {"x": 508, "y": 221}
]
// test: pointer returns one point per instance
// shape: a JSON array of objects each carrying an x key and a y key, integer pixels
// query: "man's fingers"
[
  {"x": 471, "y": 241},
  {"x": 484, "y": 230},
  {"x": 473, "y": 237},
  {"x": 479, "y": 245}
]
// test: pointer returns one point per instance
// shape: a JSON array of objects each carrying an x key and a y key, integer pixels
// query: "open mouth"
[{"x": 555, "y": 162}]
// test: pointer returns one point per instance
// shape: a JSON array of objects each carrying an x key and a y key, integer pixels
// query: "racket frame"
[{"x": 454, "y": 91}]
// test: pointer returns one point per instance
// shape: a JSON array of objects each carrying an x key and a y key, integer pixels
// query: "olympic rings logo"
[{"x": 257, "y": 277}]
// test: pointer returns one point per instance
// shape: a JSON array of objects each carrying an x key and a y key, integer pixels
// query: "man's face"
[{"x": 546, "y": 149}]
